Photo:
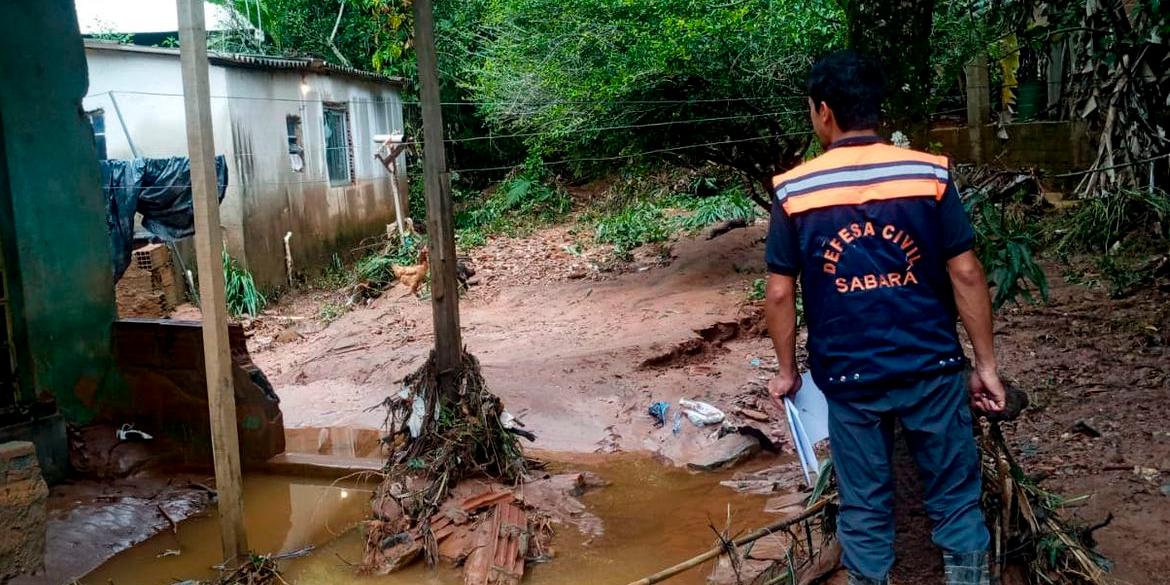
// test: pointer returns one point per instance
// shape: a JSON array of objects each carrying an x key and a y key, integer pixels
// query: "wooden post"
[
  {"x": 978, "y": 104},
  {"x": 221, "y": 400},
  {"x": 440, "y": 219}
]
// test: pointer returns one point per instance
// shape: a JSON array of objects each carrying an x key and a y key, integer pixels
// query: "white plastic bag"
[{"x": 701, "y": 413}]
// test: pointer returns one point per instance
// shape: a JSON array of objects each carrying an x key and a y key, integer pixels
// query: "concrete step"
[{"x": 324, "y": 466}]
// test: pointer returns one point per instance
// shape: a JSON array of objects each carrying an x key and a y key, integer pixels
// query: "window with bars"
[
  {"x": 338, "y": 146},
  {"x": 296, "y": 150},
  {"x": 97, "y": 121}
]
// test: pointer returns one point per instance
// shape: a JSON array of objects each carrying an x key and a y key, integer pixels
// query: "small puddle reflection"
[
  {"x": 281, "y": 514},
  {"x": 654, "y": 516},
  {"x": 341, "y": 441}
]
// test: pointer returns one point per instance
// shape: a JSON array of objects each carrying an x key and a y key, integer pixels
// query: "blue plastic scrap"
[{"x": 658, "y": 411}]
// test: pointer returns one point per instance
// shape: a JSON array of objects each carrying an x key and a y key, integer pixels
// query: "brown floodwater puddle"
[{"x": 654, "y": 516}]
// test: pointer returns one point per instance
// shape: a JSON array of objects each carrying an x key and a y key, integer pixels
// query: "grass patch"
[
  {"x": 331, "y": 311},
  {"x": 1098, "y": 225},
  {"x": 335, "y": 275},
  {"x": 758, "y": 290},
  {"x": 1122, "y": 232}
]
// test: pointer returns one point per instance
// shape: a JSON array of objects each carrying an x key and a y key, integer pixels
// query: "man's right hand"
[
  {"x": 781, "y": 385},
  {"x": 987, "y": 393}
]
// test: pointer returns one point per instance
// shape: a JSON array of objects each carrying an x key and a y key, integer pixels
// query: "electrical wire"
[
  {"x": 467, "y": 103},
  {"x": 635, "y": 155}
]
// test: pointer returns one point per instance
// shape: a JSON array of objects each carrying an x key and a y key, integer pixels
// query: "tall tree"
[{"x": 898, "y": 33}]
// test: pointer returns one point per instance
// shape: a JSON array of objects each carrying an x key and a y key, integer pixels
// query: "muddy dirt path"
[
  {"x": 563, "y": 353},
  {"x": 1098, "y": 371}
]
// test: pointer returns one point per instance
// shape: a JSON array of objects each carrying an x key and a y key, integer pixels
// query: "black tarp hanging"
[{"x": 159, "y": 189}]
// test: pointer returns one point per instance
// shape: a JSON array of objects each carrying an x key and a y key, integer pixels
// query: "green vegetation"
[
  {"x": 1122, "y": 231},
  {"x": 243, "y": 298},
  {"x": 335, "y": 275},
  {"x": 647, "y": 206},
  {"x": 543, "y": 94},
  {"x": 521, "y": 202},
  {"x": 730, "y": 204},
  {"x": 1099, "y": 224},
  {"x": 639, "y": 224},
  {"x": 758, "y": 290},
  {"x": 1005, "y": 240},
  {"x": 331, "y": 311}
]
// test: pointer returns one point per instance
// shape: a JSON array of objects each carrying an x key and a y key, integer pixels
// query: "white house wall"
[
  {"x": 323, "y": 219},
  {"x": 148, "y": 89},
  {"x": 265, "y": 198}
]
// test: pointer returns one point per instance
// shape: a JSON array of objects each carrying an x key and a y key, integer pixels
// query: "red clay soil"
[
  {"x": 1091, "y": 364},
  {"x": 568, "y": 355}
]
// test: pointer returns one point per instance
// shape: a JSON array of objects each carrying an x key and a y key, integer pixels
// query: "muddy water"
[
  {"x": 281, "y": 514},
  {"x": 654, "y": 517}
]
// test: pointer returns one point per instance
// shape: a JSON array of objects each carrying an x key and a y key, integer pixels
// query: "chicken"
[{"x": 413, "y": 276}]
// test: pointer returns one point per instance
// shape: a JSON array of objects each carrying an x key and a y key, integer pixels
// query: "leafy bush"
[
  {"x": 636, "y": 225},
  {"x": 243, "y": 298},
  {"x": 522, "y": 201},
  {"x": 1004, "y": 243},
  {"x": 678, "y": 73},
  {"x": 728, "y": 205}
]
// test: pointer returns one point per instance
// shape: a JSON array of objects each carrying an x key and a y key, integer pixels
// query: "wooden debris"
[
  {"x": 827, "y": 562},
  {"x": 755, "y": 415},
  {"x": 782, "y": 504}
]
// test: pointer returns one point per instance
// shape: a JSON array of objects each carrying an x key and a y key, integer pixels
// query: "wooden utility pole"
[
  {"x": 440, "y": 214},
  {"x": 221, "y": 399}
]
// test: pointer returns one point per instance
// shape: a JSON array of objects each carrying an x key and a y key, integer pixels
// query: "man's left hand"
[{"x": 781, "y": 385}]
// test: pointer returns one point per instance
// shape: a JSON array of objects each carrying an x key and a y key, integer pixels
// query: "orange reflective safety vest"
[{"x": 869, "y": 227}]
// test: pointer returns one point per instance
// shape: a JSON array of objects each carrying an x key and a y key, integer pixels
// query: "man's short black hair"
[{"x": 852, "y": 85}]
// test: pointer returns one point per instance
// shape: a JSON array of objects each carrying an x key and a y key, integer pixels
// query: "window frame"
[
  {"x": 338, "y": 110},
  {"x": 295, "y": 138}
]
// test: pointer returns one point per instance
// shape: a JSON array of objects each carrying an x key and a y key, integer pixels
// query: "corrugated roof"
[
  {"x": 297, "y": 64},
  {"x": 306, "y": 64}
]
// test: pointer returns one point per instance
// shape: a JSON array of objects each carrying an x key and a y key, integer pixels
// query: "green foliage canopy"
[{"x": 574, "y": 74}]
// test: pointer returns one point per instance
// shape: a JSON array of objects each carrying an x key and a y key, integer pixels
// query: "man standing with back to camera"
[{"x": 883, "y": 248}]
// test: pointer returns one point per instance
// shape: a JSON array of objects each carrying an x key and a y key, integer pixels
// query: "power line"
[
  {"x": 635, "y": 155},
  {"x": 622, "y": 102},
  {"x": 529, "y": 134},
  {"x": 622, "y": 127},
  {"x": 464, "y": 103},
  {"x": 502, "y": 168}
]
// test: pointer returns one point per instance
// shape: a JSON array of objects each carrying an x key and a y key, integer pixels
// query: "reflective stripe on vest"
[{"x": 852, "y": 175}]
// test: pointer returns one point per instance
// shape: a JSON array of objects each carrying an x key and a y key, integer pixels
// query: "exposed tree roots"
[{"x": 436, "y": 438}]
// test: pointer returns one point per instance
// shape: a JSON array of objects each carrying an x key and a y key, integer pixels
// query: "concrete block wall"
[
  {"x": 23, "y": 515},
  {"x": 1055, "y": 147}
]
